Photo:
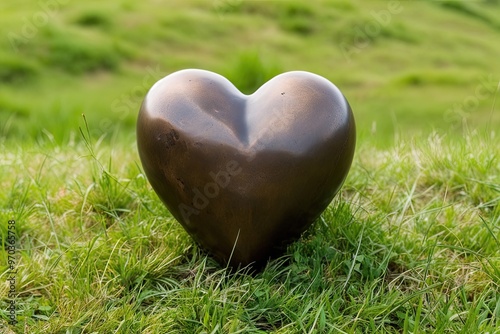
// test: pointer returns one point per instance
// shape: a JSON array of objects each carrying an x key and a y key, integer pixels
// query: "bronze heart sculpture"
[{"x": 245, "y": 174}]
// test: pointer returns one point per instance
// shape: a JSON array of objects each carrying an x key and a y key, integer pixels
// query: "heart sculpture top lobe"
[{"x": 245, "y": 174}]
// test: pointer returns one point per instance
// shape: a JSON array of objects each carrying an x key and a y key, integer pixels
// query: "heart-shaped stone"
[{"x": 245, "y": 174}]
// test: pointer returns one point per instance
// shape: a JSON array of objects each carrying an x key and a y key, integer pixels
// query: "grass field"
[{"x": 410, "y": 244}]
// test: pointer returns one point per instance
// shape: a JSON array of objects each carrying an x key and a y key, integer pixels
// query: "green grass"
[
  {"x": 422, "y": 60},
  {"x": 410, "y": 245}
]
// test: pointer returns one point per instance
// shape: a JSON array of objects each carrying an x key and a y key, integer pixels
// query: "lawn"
[{"x": 410, "y": 244}]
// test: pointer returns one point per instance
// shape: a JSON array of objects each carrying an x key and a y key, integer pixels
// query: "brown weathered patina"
[{"x": 245, "y": 174}]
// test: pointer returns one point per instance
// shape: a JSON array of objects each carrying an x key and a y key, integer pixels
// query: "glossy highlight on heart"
[{"x": 245, "y": 175}]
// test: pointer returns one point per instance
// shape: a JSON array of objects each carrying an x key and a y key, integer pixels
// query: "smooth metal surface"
[{"x": 245, "y": 174}]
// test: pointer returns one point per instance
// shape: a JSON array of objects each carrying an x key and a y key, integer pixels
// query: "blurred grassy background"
[{"x": 407, "y": 67}]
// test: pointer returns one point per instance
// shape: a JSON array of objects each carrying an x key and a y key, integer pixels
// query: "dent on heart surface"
[{"x": 245, "y": 174}]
